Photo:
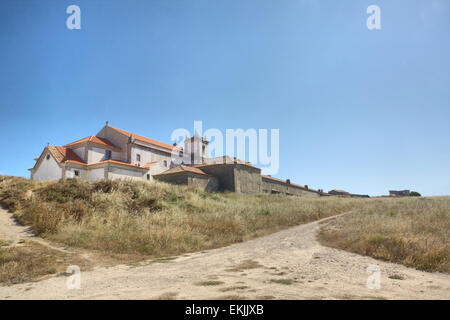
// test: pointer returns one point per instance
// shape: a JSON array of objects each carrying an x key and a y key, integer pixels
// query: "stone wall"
[
  {"x": 235, "y": 177},
  {"x": 274, "y": 186},
  {"x": 224, "y": 173},
  {"x": 207, "y": 183},
  {"x": 247, "y": 179},
  {"x": 210, "y": 184}
]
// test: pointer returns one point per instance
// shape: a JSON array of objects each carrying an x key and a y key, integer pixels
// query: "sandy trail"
[
  {"x": 289, "y": 264},
  {"x": 14, "y": 234},
  {"x": 11, "y": 231}
]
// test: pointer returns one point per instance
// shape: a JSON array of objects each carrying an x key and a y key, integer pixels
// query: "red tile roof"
[
  {"x": 61, "y": 155},
  {"x": 67, "y": 155},
  {"x": 96, "y": 140},
  {"x": 147, "y": 140},
  {"x": 70, "y": 155}
]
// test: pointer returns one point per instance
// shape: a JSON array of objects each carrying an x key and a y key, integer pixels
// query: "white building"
[
  {"x": 117, "y": 154},
  {"x": 112, "y": 153}
]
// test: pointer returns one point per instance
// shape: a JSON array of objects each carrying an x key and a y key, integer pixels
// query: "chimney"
[
  {"x": 306, "y": 186},
  {"x": 288, "y": 181}
]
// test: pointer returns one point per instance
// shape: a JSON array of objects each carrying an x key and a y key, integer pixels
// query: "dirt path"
[
  {"x": 289, "y": 264},
  {"x": 14, "y": 234},
  {"x": 11, "y": 231}
]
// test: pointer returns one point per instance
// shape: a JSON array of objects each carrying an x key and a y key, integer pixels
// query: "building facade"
[{"x": 118, "y": 154}]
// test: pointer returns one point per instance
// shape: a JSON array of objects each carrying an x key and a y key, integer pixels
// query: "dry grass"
[
  {"x": 209, "y": 283},
  {"x": 32, "y": 261},
  {"x": 122, "y": 217},
  {"x": 233, "y": 288},
  {"x": 245, "y": 265},
  {"x": 411, "y": 231},
  {"x": 283, "y": 281}
]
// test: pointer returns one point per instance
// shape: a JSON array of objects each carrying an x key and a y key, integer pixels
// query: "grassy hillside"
[
  {"x": 411, "y": 231},
  {"x": 144, "y": 220},
  {"x": 154, "y": 219}
]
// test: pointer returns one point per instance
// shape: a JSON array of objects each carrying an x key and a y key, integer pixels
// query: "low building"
[
  {"x": 190, "y": 176},
  {"x": 338, "y": 192},
  {"x": 274, "y": 186},
  {"x": 347, "y": 194},
  {"x": 400, "y": 193}
]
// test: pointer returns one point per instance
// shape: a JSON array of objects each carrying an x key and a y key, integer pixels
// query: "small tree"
[{"x": 415, "y": 194}]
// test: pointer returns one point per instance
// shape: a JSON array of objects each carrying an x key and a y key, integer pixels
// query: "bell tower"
[{"x": 197, "y": 148}]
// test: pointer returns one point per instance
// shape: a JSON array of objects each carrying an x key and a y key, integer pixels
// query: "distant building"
[
  {"x": 347, "y": 194},
  {"x": 401, "y": 193},
  {"x": 338, "y": 192}
]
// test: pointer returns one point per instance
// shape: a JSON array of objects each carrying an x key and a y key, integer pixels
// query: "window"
[
  {"x": 77, "y": 173},
  {"x": 48, "y": 157},
  {"x": 108, "y": 154},
  {"x": 138, "y": 158},
  {"x": 165, "y": 163},
  {"x": 148, "y": 176}
]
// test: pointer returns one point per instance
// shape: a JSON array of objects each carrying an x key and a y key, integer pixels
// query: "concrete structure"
[
  {"x": 338, "y": 192},
  {"x": 117, "y": 154},
  {"x": 275, "y": 186},
  {"x": 401, "y": 193},
  {"x": 346, "y": 194},
  {"x": 190, "y": 176}
]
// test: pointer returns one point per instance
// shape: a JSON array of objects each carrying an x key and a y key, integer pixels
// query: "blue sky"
[{"x": 359, "y": 110}]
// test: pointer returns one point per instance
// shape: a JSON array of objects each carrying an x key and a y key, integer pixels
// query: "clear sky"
[{"x": 359, "y": 110}]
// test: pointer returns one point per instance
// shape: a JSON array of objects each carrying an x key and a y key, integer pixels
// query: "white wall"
[
  {"x": 70, "y": 172},
  {"x": 96, "y": 174},
  {"x": 150, "y": 155},
  {"x": 122, "y": 173},
  {"x": 118, "y": 140},
  {"x": 96, "y": 154},
  {"x": 80, "y": 152},
  {"x": 146, "y": 155},
  {"x": 155, "y": 169},
  {"x": 47, "y": 169}
]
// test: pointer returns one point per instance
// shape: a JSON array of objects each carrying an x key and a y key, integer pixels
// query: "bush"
[{"x": 415, "y": 194}]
